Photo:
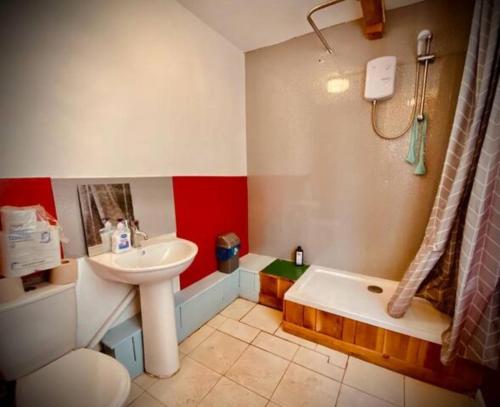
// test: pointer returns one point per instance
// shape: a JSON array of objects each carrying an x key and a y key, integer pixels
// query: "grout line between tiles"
[
  {"x": 243, "y": 316},
  {"x": 139, "y": 395},
  {"x": 345, "y": 369},
  {"x": 280, "y": 380},
  {"x": 153, "y": 397},
  {"x": 210, "y": 389},
  {"x": 248, "y": 388},
  {"x": 235, "y": 337},
  {"x": 338, "y": 395},
  {"x": 371, "y": 395},
  {"x": 229, "y": 368},
  {"x": 217, "y": 373},
  {"x": 404, "y": 391},
  {"x": 192, "y": 350},
  {"x": 295, "y": 353},
  {"x": 254, "y": 305},
  {"x": 208, "y": 392},
  {"x": 314, "y": 371}
]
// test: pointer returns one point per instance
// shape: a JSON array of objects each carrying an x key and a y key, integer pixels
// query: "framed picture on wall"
[{"x": 101, "y": 202}]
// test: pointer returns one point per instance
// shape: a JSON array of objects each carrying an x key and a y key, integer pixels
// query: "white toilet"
[{"x": 37, "y": 349}]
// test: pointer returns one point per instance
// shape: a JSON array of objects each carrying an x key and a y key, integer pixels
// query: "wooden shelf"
[{"x": 276, "y": 279}]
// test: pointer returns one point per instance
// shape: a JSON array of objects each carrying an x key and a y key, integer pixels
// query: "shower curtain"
[{"x": 457, "y": 267}]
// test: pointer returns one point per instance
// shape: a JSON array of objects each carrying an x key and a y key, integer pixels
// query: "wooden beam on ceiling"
[{"x": 373, "y": 18}]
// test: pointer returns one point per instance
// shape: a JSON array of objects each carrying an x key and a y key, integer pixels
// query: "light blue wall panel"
[
  {"x": 249, "y": 285},
  {"x": 124, "y": 343},
  {"x": 230, "y": 289},
  {"x": 200, "y": 309},
  {"x": 201, "y": 301}
]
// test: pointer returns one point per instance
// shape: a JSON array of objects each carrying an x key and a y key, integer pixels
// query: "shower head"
[{"x": 423, "y": 38}]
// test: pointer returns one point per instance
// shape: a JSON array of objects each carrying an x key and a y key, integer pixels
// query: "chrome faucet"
[{"x": 135, "y": 233}]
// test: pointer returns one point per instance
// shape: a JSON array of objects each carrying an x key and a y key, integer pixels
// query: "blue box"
[{"x": 124, "y": 343}]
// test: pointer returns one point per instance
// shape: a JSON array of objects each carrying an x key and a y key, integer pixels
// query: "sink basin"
[
  {"x": 153, "y": 263},
  {"x": 152, "y": 267}
]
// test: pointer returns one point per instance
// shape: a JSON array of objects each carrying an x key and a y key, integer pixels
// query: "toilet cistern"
[{"x": 153, "y": 267}]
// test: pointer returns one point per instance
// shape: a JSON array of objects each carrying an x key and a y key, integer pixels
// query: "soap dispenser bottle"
[
  {"x": 299, "y": 256},
  {"x": 121, "y": 238}
]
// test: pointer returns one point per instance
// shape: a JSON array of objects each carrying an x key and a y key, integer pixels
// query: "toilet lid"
[{"x": 80, "y": 378}]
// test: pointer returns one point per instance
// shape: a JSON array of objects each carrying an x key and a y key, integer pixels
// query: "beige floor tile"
[
  {"x": 145, "y": 381},
  {"x": 419, "y": 394},
  {"x": 258, "y": 370},
  {"x": 192, "y": 341},
  {"x": 219, "y": 352},
  {"x": 350, "y": 397},
  {"x": 271, "y": 404},
  {"x": 265, "y": 318},
  {"x": 303, "y": 387},
  {"x": 237, "y": 309},
  {"x": 227, "y": 393},
  {"x": 295, "y": 339},
  {"x": 238, "y": 330},
  {"x": 275, "y": 345},
  {"x": 319, "y": 363},
  {"x": 187, "y": 387},
  {"x": 145, "y": 400},
  {"x": 216, "y": 321},
  {"x": 335, "y": 357},
  {"x": 382, "y": 383},
  {"x": 135, "y": 391}
]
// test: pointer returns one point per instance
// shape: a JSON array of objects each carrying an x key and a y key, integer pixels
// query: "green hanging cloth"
[
  {"x": 420, "y": 169},
  {"x": 417, "y": 145},
  {"x": 411, "y": 157}
]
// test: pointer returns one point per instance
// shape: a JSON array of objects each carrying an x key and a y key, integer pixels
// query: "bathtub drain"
[{"x": 375, "y": 289}]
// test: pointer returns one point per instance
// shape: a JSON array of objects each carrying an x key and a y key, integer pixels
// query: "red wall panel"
[
  {"x": 206, "y": 207},
  {"x": 27, "y": 191}
]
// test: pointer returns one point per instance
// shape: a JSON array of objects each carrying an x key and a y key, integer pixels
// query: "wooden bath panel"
[{"x": 402, "y": 353}]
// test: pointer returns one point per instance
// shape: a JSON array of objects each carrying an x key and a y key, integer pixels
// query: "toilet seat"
[{"x": 80, "y": 378}]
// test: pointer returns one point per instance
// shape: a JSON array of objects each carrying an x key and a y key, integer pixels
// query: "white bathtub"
[{"x": 346, "y": 294}]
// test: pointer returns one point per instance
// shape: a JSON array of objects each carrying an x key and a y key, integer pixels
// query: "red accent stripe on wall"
[
  {"x": 28, "y": 191},
  {"x": 206, "y": 207}
]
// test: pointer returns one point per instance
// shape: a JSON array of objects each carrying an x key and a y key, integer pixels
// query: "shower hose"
[{"x": 412, "y": 116}]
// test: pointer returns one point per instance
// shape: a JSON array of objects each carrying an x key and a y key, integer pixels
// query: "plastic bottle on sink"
[
  {"x": 120, "y": 241},
  {"x": 106, "y": 235}
]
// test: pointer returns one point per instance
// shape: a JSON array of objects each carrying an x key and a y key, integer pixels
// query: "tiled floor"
[{"x": 243, "y": 358}]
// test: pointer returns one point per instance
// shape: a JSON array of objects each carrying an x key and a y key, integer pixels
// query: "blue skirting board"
[{"x": 201, "y": 301}]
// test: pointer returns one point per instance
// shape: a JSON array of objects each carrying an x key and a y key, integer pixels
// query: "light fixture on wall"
[{"x": 337, "y": 85}]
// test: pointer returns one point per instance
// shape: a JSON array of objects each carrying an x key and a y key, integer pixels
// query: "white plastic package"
[{"x": 29, "y": 241}]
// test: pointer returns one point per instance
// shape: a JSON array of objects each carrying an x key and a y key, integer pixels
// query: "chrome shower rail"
[{"x": 315, "y": 27}]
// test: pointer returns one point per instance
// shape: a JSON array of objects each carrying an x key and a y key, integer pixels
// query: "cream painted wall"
[
  {"x": 318, "y": 176},
  {"x": 117, "y": 88}
]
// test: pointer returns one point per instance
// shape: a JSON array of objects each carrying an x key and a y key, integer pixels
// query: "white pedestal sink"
[{"x": 152, "y": 268}]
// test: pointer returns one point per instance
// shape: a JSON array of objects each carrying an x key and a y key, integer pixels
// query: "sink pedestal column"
[{"x": 161, "y": 354}]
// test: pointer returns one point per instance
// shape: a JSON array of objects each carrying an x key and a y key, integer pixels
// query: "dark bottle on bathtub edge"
[{"x": 299, "y": 256}]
